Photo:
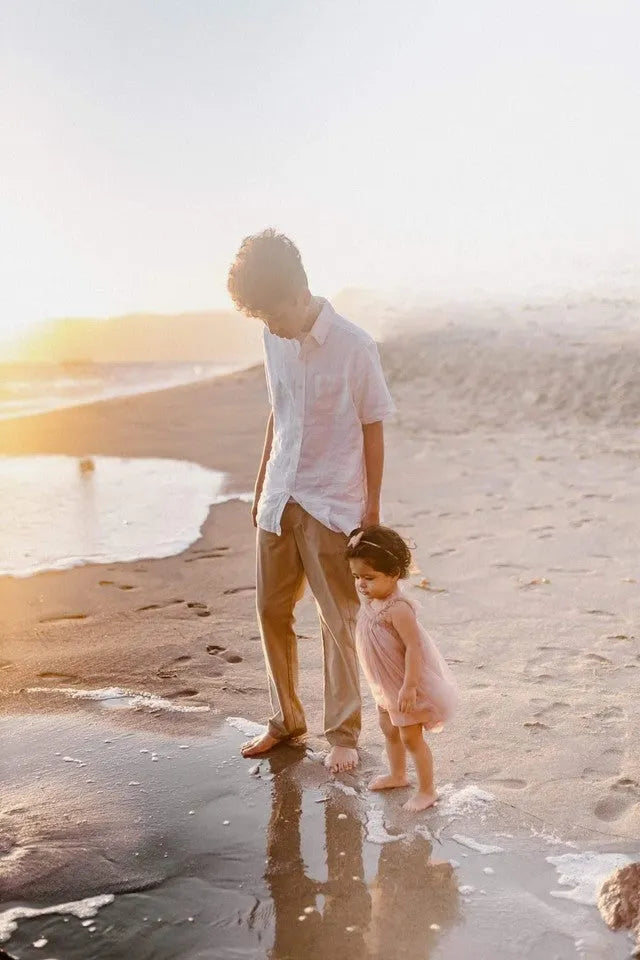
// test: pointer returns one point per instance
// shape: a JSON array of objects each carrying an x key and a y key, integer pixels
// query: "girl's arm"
[{"x": 405, "y": 622}]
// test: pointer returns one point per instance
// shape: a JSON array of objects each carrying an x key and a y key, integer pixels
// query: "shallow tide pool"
[{"x": 60, "y": 512}]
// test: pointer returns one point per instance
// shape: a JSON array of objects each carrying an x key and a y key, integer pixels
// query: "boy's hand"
[
  {"x": 370, "y": 517},
  {"x": 254, "y": 510},
  {"x": 406, "y": 698}
]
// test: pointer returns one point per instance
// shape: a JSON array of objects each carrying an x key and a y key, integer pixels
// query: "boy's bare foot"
[
  {"x": 259, "y": 745},
  {"x": 340, "y": 759},
  {"x": 388, "y": 781},
  {"x": 420, "y": 801}
]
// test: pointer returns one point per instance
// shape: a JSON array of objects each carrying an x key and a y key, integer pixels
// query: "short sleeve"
[
  {"x": 267, "y": 365},
  {"x": 371, "y": 394}
]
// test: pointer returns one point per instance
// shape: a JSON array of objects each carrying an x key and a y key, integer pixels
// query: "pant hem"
[
  {"x": 283, "y": 737},
  {"x": 336, "y": 740}
]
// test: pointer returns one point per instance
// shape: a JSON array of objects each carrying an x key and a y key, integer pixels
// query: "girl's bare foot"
[
  {"x": 259, "y": 745},
  {"x": 388, "y": 781},
  {"x": 341, "y": 759},
  {"x": 420, "y": 800}
]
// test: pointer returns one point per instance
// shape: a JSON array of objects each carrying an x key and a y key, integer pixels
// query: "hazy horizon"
[{"x": 412, "y": 149}]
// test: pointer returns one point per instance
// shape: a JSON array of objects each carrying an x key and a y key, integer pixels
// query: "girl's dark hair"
[{"x": 382, "y": 548}]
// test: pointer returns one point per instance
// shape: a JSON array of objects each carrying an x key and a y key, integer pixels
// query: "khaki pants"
[{"x": 308, "y": 549}]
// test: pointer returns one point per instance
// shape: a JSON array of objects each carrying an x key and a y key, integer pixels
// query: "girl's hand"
[{"x": 406, "y": 698}]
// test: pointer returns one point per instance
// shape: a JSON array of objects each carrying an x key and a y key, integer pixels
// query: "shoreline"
[
  {"x": 124, "y": 394},
  {"x": 133, "y": 423}
]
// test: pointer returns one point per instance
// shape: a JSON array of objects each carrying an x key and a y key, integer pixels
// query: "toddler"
[{"x": 409, "y": 679}]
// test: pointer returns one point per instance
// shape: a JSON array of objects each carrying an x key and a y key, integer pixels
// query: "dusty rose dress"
[{"x": 381, "y": 653}]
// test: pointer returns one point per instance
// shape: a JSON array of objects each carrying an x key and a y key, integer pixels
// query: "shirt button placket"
[{"x": 299, "y": 405}]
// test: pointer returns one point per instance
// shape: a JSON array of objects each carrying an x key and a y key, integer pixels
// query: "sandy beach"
[{"x": 513, "y": 464}]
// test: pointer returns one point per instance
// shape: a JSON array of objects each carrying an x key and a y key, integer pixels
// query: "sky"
[{"x": 405, "y": 145}]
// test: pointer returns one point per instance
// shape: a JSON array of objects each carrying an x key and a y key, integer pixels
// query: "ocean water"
[
  {"x": 31, "y": 388},
  {"x": 111, "y": 509}
]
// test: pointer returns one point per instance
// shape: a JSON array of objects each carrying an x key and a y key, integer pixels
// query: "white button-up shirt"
[{"x": 321, "y": 391}]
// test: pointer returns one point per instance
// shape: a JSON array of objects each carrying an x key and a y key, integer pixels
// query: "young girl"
[{"x": 409, "y": 679}]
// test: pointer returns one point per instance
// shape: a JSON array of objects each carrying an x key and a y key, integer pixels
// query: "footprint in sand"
[
  {"x": 51, "y": 675},
  {"x": 482, "y": 774},
  {"x": 232, "y": 590},
  {"x": 623, "y": 794},
  {"x": 159, "y": 606},
  {"x": 119, "y": 586},
  {"x": 541, "y": 678},
  {"x": 605, "y": 764},
  {"x": 627, "y": 784},
  {"x": 167, "y": 670},
  {"x": 192, "y": 607},
  {"x": 555, "y": 709},
  {"x": 217, "y": 650},
  {"x": 206, "y": 553},
  {"x": 200, "y": 609},
  {"x": 61, "y": 618}
]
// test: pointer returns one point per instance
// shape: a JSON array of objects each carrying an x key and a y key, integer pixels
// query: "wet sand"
[
  {"x": 210, "y": 856},
  {"x": 523, "y": 510}
]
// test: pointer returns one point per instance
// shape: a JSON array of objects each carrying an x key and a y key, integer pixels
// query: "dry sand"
[{"x": 513, "y": 463}]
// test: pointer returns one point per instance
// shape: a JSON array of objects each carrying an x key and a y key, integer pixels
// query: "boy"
[{"x": 319, "y": 478}]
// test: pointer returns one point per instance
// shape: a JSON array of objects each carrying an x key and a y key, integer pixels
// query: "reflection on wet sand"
[
  {"x": 413, "y": 901},
  {"x": 399, "y": 912},
  {"x": 204, "y": 860}
]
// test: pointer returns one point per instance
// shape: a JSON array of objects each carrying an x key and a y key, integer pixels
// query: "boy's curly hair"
[
  {"x": 382, "y": 548},
  {"x": 266, "y": 271}
]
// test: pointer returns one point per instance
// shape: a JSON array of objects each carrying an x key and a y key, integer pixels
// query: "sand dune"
[{"x": 473, "y": 376}]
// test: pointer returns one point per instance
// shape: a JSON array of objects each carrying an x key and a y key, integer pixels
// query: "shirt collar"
[{"x": 320, "y": 330}]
